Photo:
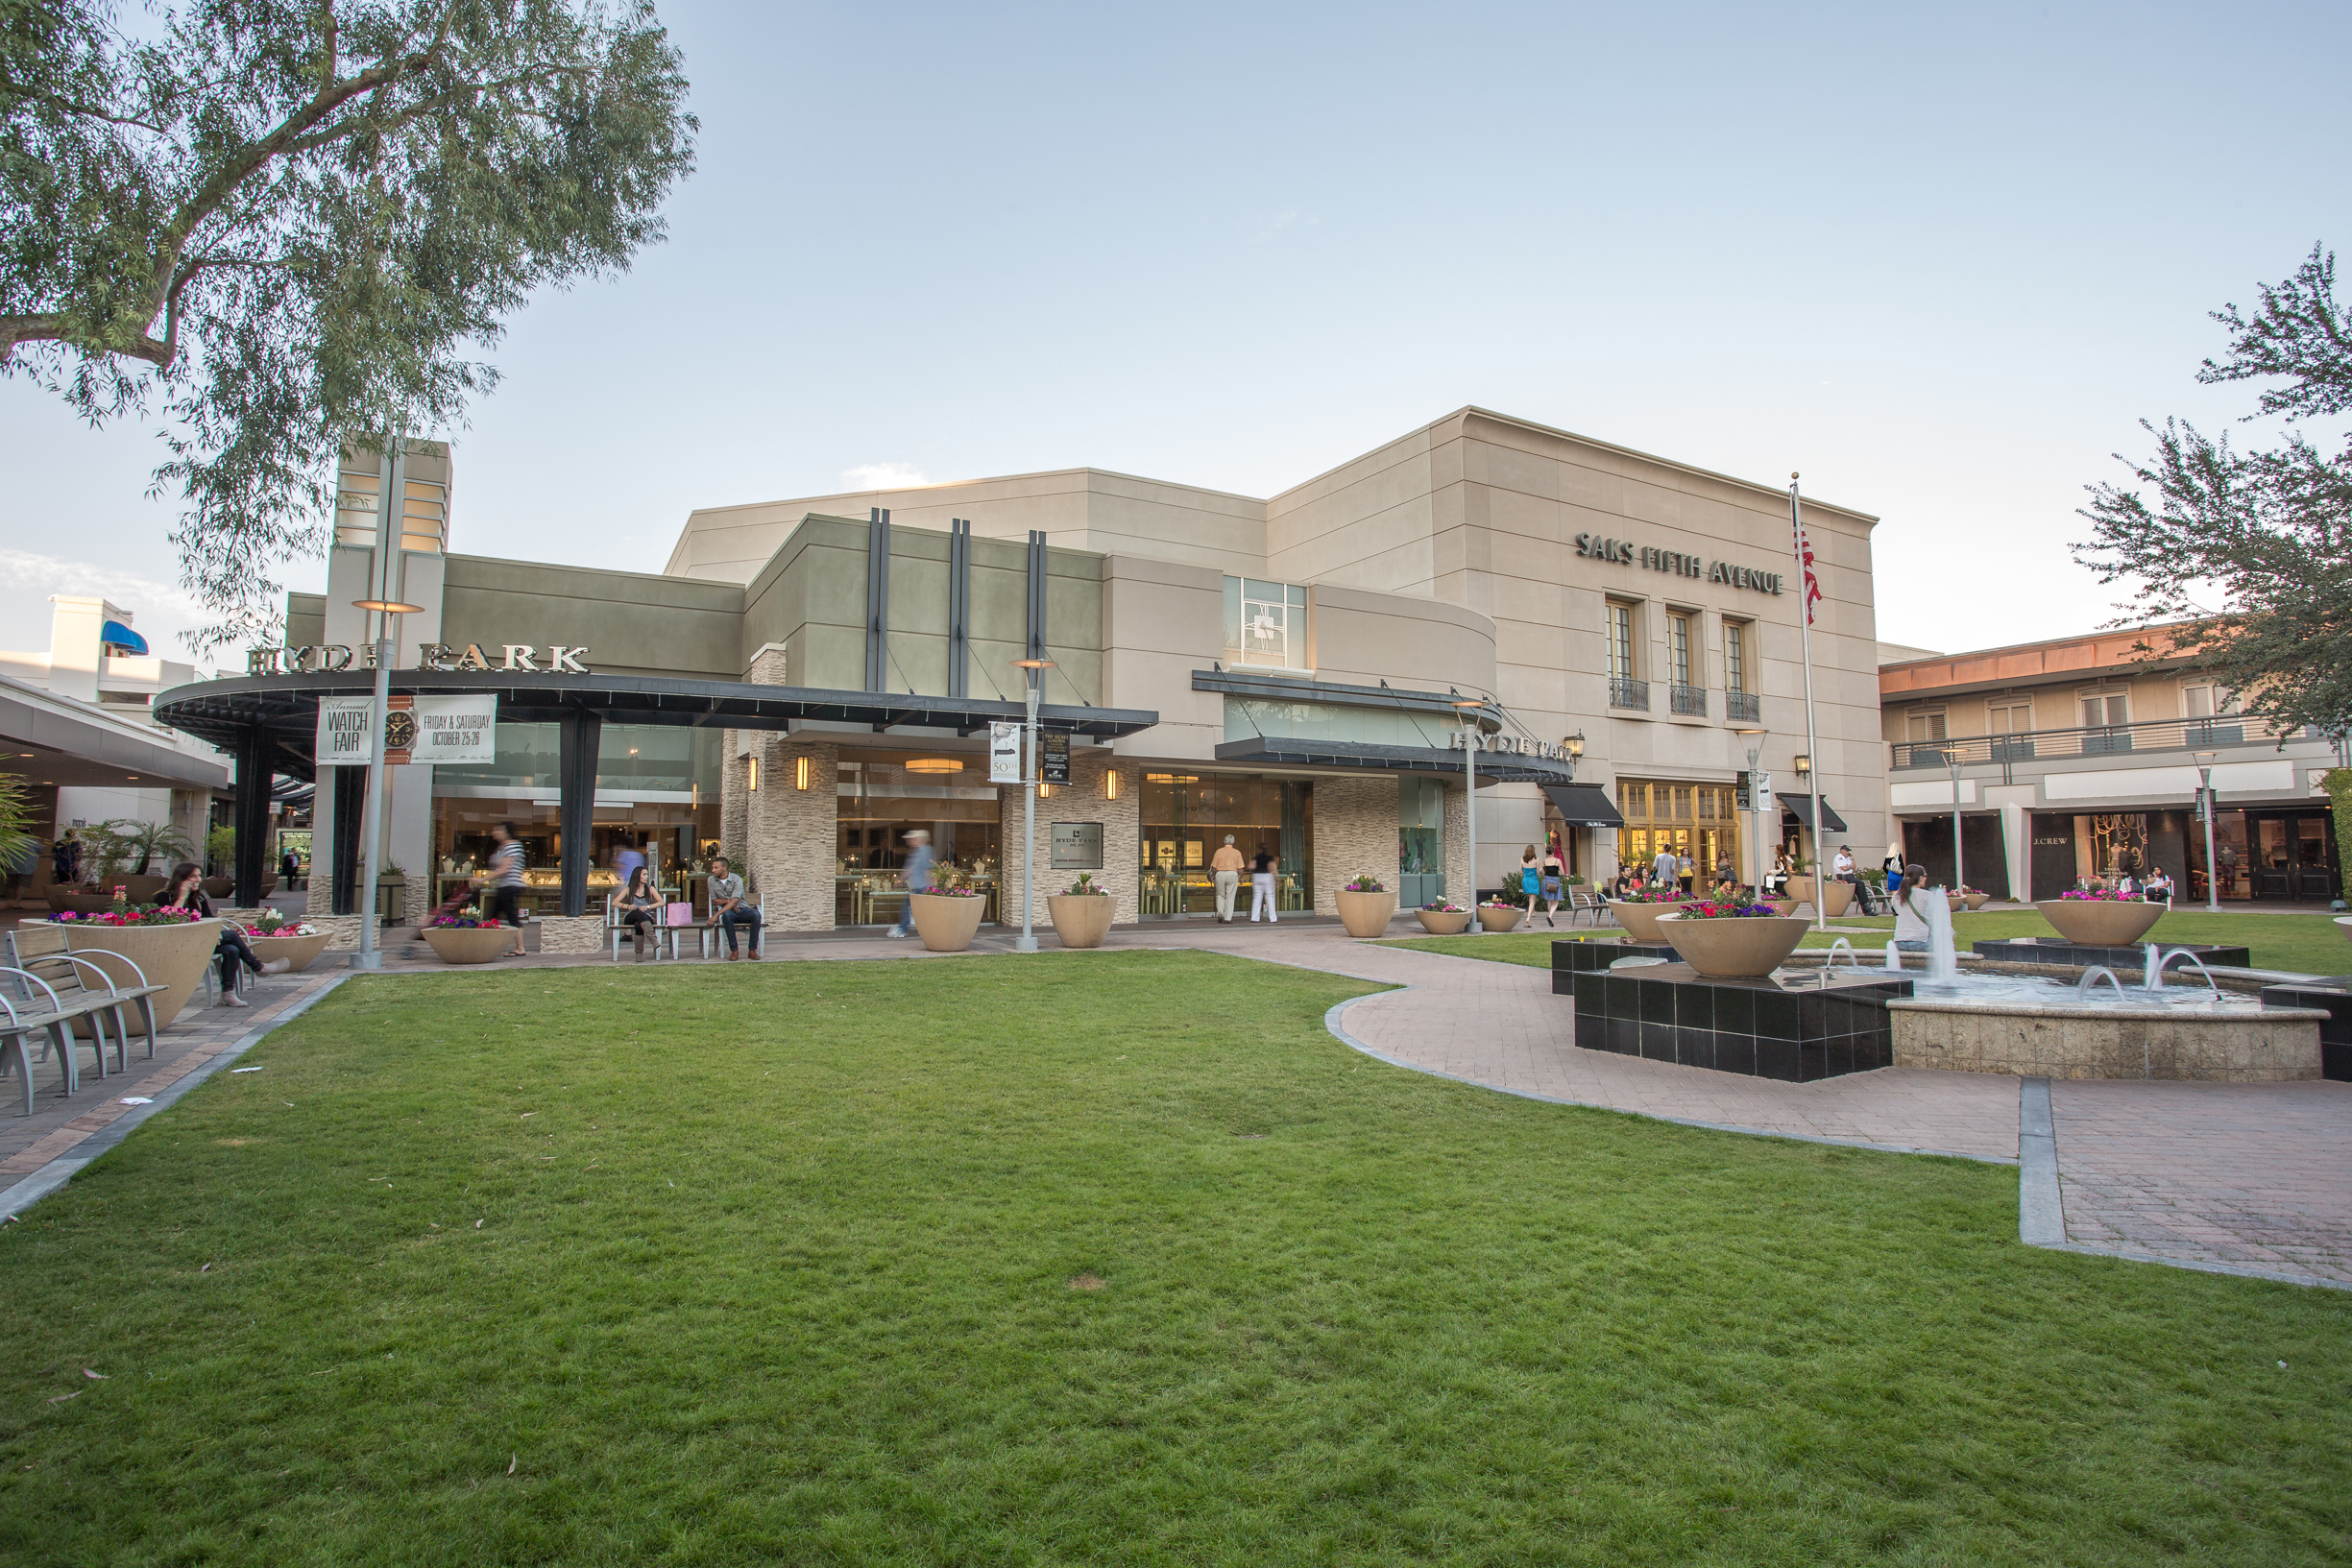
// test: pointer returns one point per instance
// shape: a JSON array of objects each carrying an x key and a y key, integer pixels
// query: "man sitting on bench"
[{"x": 730, "y": 908}]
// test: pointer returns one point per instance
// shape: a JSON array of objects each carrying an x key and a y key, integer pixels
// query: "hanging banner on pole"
[
  {"x": 456, "y": 729},
  {"x": 347, "y": 731},
  {"x": 1005, "y": 752},
  {"x": 1054, "y": 758}
]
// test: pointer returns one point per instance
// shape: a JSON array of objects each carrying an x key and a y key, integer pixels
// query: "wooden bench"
[{"x": 46, "y": 952}]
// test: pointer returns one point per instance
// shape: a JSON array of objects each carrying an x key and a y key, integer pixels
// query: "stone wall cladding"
[
  {"x": 2256, "y": 1048},
  {"x": 1458, "y": 887},
  {"x": 571, "y": 933},
  {"x": 789, "y": 833},
  {"x": 1081, "y": 800},
  {"x": 1355, "y": 832}
]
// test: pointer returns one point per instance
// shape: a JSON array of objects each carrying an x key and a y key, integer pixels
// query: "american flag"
[{"x": 1805, "y": 555}]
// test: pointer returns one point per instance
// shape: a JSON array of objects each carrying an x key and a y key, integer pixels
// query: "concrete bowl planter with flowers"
[
  {"x": 1366, "y": 907},
  {"x": 1443, "y": 919},
  {"x": 468, "y": 943},
  {"x": 295, "y": 942},
  {"x": 1082, "y": 915},
  {"x": 1733, "y": 947},
  {"x": 1500, "y": 917},
  {"x": 947, "y": 921},
  {"x": 1639, "y": 918},
  {"x": 1977, "y": 898},
  {"x": 2101, "y": 921},
  {"x": 170, "y": 953}
]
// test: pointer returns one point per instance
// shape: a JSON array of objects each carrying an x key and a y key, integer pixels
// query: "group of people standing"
[{"x": 1225, "y": 869}]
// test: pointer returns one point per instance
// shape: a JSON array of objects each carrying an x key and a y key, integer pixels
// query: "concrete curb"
[
  {"x": 2041, "y": 1207},
  {"x": 32, "y": 1189}
]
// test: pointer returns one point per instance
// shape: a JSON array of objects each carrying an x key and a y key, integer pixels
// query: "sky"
[{"x": 1941, "y": 262}]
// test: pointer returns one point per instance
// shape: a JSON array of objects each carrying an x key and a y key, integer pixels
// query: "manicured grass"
[
  {"x": 2305, "y": 944},
  {"x": 745, "y": 1266}
]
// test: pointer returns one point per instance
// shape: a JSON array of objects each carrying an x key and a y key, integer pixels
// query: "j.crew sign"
[{"x": 520, "y": 658}]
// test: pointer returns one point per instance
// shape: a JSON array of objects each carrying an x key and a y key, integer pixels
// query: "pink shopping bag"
[{"x": 678, "y": 914}]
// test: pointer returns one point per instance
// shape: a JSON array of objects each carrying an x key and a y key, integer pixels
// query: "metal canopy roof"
[
  {"x": 1269, "y": 687},
  {"x": 1585, "y": 805},
  {"x": 1798, "y": 810},
  {"x": 221, "y": 711},
  {"x": 1494, "y": 767}
]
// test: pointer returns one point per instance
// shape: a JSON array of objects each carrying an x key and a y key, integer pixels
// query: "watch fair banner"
[
  {"x": 347, "y": 733},
  {"x": 456, "y": 729}
]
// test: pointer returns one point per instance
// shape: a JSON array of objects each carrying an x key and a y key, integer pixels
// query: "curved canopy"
[{"x": 114, "y": 636}]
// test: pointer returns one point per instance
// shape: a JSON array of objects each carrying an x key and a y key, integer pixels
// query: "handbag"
[{"x": 677, "y": 914}]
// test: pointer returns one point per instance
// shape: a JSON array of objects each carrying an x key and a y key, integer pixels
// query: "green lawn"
[
  {"x": 799, "y": 1263},
  {"x": 2306, "y": 944}
]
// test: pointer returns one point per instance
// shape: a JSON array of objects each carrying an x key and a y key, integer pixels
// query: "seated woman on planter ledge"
[
  {"x": 186, "y": 892},
  {"x": 1911, "y": 933}
]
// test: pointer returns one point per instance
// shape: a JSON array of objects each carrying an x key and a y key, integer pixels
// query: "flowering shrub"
[
  {"x": 461, "y": 922},
  {"x": 1730, "y": 909},
  {"x": 282, "y": 926},
  {"x": 1443, "y": 906},
  {"x": 1086, "y": 887},
  {"x": 1365, "y": 883},
  {"x": 1513, "y": 905},
  {"x": 949, "y": 881},
  {"x": 122, "y": 915},
  {"x": 1652, "y": 895},
  {"x": 2100, "y": 895}
]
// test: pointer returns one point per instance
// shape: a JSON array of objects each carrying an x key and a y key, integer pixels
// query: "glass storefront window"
[
  {"x": 881, "y": 796},
  {"x": 1186, "y": 819},
  {"x": 1699, "y": 821},
  {"x": 1266, "y": 623}
]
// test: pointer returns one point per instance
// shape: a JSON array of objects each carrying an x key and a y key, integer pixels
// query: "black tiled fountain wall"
[
  {"x": 2032, "y": 950},
  {"x": 2334, "y": 999},
  {"x": 1570, "y": 960},
  {"x": 1671, "y": 1014}
]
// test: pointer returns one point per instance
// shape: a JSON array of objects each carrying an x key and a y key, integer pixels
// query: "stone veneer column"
[
  {"x": 1355, "y": 832},
  {"x": 1081, "y": 800},
  {"x": 789, "y": 833},
  {"x": 1458, "y": 883}
]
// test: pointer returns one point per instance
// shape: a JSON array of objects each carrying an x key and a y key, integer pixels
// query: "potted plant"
[
  {"x": 1500, "y": 915},
  {"x": 169, "y": 947},
  {"x": 1364, "y": 906},
  {"x": 947, "y": 913},
  {"x": 1801, "y": 879},
  {"x": 2099, "y": 917},
  {"x": 1837, "y": 898},
  {"x": 1977, "y": 898},
  {"x": 1733, "y": 940},
  {"x": 466, "y": 939},
  {"x": 274, "y": 936},
  {"x": 1638, "y": 912},
  {"x": 1081, "y": 912},
  {"x": 1442, "y": 918}
]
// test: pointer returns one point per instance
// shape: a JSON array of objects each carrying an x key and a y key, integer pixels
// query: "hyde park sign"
[
  {"x": 519, "y": 658},
  {"x": 1679, "y": 562}
]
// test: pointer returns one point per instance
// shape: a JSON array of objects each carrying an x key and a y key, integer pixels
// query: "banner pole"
[{"x": 1812, "y": 744}]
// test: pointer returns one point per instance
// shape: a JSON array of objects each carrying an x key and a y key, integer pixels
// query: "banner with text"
[
  {"x": 347, "y": 733},
  {"x": 456, "y": 729}
]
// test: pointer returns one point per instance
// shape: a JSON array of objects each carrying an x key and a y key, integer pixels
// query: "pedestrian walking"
[
  {"x": 1531, "y": 880},
  {"x": 65, "y": 859},
  {"x": 1555, "y": 876},
  {"x": 1227, "y": 864},
  {"x": 1262, "y": 886},
  {"x": 627, "y": 858},
  {"x": 506, "y": 882},
  {"x": 731, "y": 907},
  {"x": 1662, "y": 868},
  {"x": 640, "y": 907},
  {"x": 1685, "y": 872},
  {"x": 915, "y": 874}
]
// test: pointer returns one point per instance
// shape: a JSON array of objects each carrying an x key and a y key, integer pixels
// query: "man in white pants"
[
  {"x": 1227, "y": 863},
  {"x": 1262, "y": 886}
]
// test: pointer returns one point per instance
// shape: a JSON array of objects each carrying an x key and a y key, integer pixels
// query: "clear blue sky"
[{"x": 1941, "y": 264}]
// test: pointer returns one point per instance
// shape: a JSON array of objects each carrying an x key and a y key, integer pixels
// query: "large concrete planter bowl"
[
  {"x": 469, "y": 944},
  {"x": 1736, "y": 949},
  {"x": 947, "y": 924},
  {"x": 298, "y": 952},
  {"x": 1365, "y": 914},
  {"x": 1837, "y": 898},
  {"x": 2100, "y": 923},
  {"x": 1447, "y": 922},
  {"x": 1641, "y": 919},
  {"x": 170, "y": 955},
  {"x": 1500, "y": 919},
  {"x": 1081, "y": 919},
  {"x": 1977, "y": 901}
]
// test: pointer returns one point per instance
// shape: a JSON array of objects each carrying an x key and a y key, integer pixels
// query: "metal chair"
[{"x": 47, "y": 952}]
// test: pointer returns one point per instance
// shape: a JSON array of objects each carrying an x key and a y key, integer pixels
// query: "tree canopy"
[
  {"x": 297, "y": 224},
  {"x": 2267, "y": 532}
]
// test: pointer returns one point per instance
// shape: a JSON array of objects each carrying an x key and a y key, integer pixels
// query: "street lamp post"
[
  {"x": 2204, "y": 809},
  {"x": 385, "y": 607},
  {"x": 1755, "y": 810},
  {"x": 1466, "y": 712},
  {"x": 1959, "y": 866},
  {"x": 1033, "y": 671}
]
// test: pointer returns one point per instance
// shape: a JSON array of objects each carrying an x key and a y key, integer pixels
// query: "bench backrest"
[{"x": 41, "y": 950}]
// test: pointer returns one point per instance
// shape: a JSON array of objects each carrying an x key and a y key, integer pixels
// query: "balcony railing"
[
  {"x": 1743, "y": 707},
  {"x": 1624, "y": 691},
  {"x": 1689, "y": 699},
  {"x": 2096, "y": 741}
]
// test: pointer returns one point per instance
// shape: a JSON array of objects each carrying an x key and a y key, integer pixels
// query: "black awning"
[
  {"x": 1289, "y": 751},
  {"x": 1797, "y": 811},
  {"x": 1585, "y": 805}
]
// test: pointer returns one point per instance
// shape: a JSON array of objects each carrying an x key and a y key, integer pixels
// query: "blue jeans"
[
  {"x": 1911, "y": 946},
  {"x": 906, "y": 916},
  {"x": 740, "y": 916}
]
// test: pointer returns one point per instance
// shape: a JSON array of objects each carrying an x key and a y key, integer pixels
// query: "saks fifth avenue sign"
[
  {"x": 520, "y": 658},
  {"x": 1678, "y": 562},
  {"x": 1510, "y": 745}
]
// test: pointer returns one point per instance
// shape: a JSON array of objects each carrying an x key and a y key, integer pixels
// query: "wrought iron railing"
[
  {"x": 1624, "y": 691},
  {"x": 1745, "y": 707},
  {"x": 2163, "y": 734},
  {"x": 1689, "y": 699}
]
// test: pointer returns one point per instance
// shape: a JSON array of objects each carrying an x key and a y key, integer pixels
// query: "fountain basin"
[
  {"x": 2042, "y": 1029},
  {"x": 2060, "y": 952}
]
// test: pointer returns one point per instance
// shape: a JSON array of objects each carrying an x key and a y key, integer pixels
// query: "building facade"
[
  {"x": 2082, "y": 759},
  {"x": 810, "y": 679}
]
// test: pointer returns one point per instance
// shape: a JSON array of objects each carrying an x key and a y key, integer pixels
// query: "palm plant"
[
  {"x": 143, "y": 843},
  {"x": 19, "y": 848}
]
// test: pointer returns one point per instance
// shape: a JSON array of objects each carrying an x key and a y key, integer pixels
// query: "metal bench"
[
  {"x": 47, "y": 952},
  {"x": 28, "y": 1007}
]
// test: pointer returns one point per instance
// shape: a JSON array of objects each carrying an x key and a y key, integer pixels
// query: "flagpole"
[{"x": 1812, "y": 746}]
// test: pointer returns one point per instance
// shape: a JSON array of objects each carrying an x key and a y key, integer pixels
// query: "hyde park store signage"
[
  {"x": 1677, "y": 562},
  {"x": 519, "y": 658}
]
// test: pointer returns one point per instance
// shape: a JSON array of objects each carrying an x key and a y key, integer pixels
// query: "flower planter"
[
  {"x": 2100, "y": 923},
  {"x": 1977, "y": 901},
  {"x": 1735, "y": 949},
  {"x": 1641, "y": 919},
  {"x": 469, "y": 944},
  {"x": 1365, "y": 914},
  {"x": 947, "y": 924},
  {"x": 1081, "y": 919},
  {"x": 168, "y": 956},
  {"x": 1454, "y": 921},
  {"x": 1501, "y": 920},
  {"x": 1837, "y": 898},
  {"x": 298, "y": 952}
]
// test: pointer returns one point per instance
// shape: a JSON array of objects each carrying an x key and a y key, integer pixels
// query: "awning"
[
  {"x": 1797, "y": 811},
  {"x": 114, "y": 635},
  {"x": 1583, "y": 806},
  {"x": 1289, "y": 751}
]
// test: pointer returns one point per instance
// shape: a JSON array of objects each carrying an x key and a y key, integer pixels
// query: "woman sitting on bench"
[{"x": 186, "y": 892}]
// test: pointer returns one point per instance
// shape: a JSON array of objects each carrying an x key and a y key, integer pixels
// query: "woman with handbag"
[
  {"x": 640, "y": 907},
  {"x": 1555, "y": 871}
]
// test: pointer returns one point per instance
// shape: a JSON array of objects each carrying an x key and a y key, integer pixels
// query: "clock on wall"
[{"x": 399, "y": 730}]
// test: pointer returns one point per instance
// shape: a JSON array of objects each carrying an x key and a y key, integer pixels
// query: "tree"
[
  {"x": 296, "y": 219},
  {"x": 2266, "y": 534}
]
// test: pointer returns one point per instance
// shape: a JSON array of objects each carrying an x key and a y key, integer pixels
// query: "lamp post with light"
[
  {"x": 2204, "y": 809},
  {"x": 1804, "y": 776},
  {"x": 1756, "y": 809},
  {"x": 384, "y": 607},
  {"x": 1467, "y": 711},
  {"x": 1032, "y": 671}
]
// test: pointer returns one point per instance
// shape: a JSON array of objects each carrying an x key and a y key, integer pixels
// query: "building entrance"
[
  {"x": 1692, "y": 821},
  {"x": 1186, "y": 817}
]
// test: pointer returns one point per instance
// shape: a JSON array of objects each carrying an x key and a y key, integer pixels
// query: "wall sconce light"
[
  {"x": 755, "y": 775},
  {"x": 1805, "y": 764},
  {"x": 1044, "y": 789},
  {"x": 800, "y": 771},
  {"x": 1110, "y": 785},
  {"x": 1575, "y": 744}
]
